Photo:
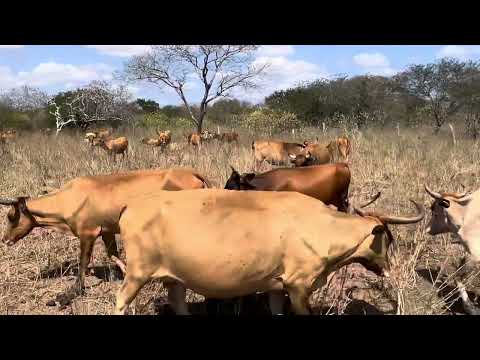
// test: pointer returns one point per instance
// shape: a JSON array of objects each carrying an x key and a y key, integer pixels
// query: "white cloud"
[
  {"x": 11, "y": 46},
  {"x": 375, "y": 60},
  {"x": 460, "y": 52},
  {"x": 276, "y": 50},
  {"x": 282, "y": 73},
  {"x": 374, "y": 63},
  {"x": 120, "y": 50},
  {"x": 52, "y": 73}
]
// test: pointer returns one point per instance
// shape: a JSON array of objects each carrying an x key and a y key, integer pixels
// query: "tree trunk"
[{"x": 200, "y": 121}]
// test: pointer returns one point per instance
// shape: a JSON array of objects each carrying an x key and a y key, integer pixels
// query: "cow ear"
[
  {"x": 378, "y": 229},
  {"x": 292, "y": 156}
]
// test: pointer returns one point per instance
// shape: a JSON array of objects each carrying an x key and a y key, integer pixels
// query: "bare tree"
[
  {"x": 219, "y": 68},
  {"x": 24, "y": 98},
  {"x": 97, "y": 102}
]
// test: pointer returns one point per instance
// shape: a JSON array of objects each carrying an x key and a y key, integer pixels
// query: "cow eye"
[{"x": 445, "y": 203}]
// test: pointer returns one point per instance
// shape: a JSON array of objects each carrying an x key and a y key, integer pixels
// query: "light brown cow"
[
  {"x": 90, "y": 206},
  {"x": 97, "y": 134},
  {"x": 165, "y": 137},
  {"x": 274, "y": 151},
  {"x": 224, "y": 244},
  {"x": 315, "y": 154},
  {"x": 8, "y": 135},
  {"x": 194, "y": 139},
  {"x": 342, "y": 145},
  {"x": 113, "y": 146},
  {"x": 151, "y": 141}
]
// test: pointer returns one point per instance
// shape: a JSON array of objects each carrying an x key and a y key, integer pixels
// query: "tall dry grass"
[{"x": 396, "y": 165}]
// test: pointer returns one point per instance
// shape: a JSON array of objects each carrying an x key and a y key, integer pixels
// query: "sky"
[{"x": 62, "y": 67}]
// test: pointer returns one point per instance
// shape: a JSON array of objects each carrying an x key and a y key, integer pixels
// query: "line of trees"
[{"x": 429, "y": 94}]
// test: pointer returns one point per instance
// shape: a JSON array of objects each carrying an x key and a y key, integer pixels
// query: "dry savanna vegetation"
[{"x": 44, "y": 263}]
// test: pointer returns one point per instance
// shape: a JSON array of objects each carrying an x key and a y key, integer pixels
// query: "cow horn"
[
  {"x": 372, "y": 200},
  {"x": 233, "y": 169},
  {"x": 396, "y": 219},
  {"x": 8, "y": 201},
  {"x": 433, "y": 194}
]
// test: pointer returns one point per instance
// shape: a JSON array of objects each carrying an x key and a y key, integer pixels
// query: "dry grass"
[{"x": 396, "y": 165}]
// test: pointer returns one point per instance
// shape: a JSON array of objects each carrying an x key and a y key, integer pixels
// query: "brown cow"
[
  {"x": 90, "y": 206},
  {"x": 194, "y": 139},
  {"x": 328, "y": 183},
  {"x": 342, "y": 145},
  {"x": 113, "y": 146},
  {"x": 275, "y": 152},
  {"x": 229, "y": 137}
]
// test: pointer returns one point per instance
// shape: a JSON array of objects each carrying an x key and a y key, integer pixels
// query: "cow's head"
[
  {"x": 19, "y": 220},
  {"x": 301, "y": 160},
  {"x": 373, "y": 252},
  {"x": 239, "y": 182},
  {"x": 447, "y": 212}
]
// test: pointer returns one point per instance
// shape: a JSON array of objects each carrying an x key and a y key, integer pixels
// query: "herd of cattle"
[{"x": 282, "y": 232}]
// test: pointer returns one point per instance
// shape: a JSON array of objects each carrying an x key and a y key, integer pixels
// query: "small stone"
[{"x": 51, "y": 303}]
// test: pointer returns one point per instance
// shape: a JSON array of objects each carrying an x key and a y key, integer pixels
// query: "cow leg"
[
  {"x": 299, "y": 299},
  {"x": 111, "y": 246},
  {"x": 176, "y": 297},
  {"x": 276, "y": 301},
  {"x": 129, "y": 290},
  {"x": 86, "y": 248}
]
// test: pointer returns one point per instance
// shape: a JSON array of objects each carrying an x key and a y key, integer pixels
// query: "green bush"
[
  {"x": 271, "y": 121},
  {"x": 155, "y": 120}
]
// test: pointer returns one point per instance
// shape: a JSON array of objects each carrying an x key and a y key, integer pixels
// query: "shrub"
[{"x": 268, "y": 120}]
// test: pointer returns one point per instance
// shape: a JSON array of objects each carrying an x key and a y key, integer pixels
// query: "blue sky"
[{"x": 56, "y": 68}]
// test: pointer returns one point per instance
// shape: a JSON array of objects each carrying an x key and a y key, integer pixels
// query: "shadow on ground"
[
  {"x": 257, "y": 305},
  {"x": 70, "y": 268}
]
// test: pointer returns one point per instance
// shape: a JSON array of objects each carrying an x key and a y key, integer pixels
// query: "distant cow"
[
  {"x": 315, "y": 154},
  {"x": 113, "y": 146},
  {"x": 165, "y": 137},
  {"x": 8, "y": 135},
  {"x": 194, "y": 139},
  {"x": 342, "y": 146},
  {"x": 151, "y": 141},
  {"x": 275, "y": 152},
  {"x": 229, "y": 137},
  {"x": 207, "y": 135}
]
